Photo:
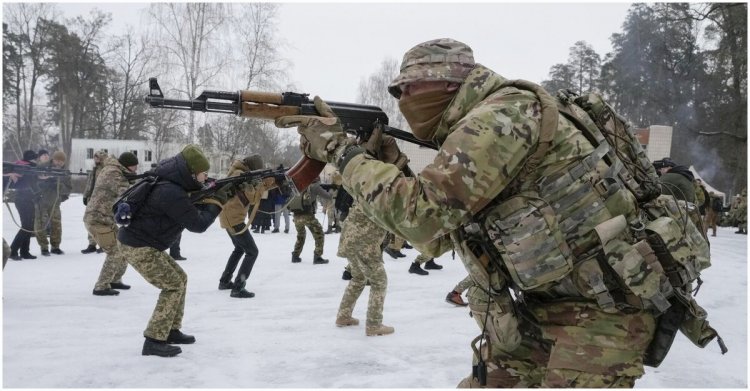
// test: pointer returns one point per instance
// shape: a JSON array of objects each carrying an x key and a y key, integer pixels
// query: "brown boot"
[
  {"x": 381, "y": 329},
  {"x": 347, "y": 321},
  {"x": 455, "y": 298}
]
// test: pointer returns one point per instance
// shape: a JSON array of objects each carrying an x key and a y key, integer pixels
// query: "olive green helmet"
[{"x": 441, "y": 59}]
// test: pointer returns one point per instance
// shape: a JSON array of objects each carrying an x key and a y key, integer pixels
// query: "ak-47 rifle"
[
  {"x": 23, "y": 169},
  {"x": 268, "y": 176},
  {"x": 356, "y": 119}
]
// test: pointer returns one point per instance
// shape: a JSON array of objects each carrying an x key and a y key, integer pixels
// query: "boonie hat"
[{"x": 443, "y": 59}]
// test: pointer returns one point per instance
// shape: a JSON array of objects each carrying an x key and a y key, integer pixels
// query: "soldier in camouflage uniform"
[
  {"x": 303, "y": 209},
  {"x": 99, "y": 157},
  {"x": 100, "y": 221},
  {"x": 740, "y": 213},
  {"x": 166, "y": 212},
  {"x": 427, "y": 261},
  {"x": 360, "y": 243},
  {"x": 511, "y": 190},
  {"x": 54, "y": 190}
]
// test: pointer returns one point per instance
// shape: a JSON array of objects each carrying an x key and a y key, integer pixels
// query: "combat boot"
[
  {"x": 45, "y": 252},
  {"x": 99, "y": 250},
  {"x": 224, "y": 285},
  {"x": 328, "y": 231},
  {"x": 178, "y": 257},
  {"x": 347, "y": 321},
  {"x": 416, "y": 269},
  {"x": 395, "y": 254},
  {"x": 28, "y": 256},
  {"x": 296, "y": 258},
  {"x": 154, "y": 347},
  {"x": 432, "y": 265},
  {"x": 346, "y": 276},
  {"x": 408, "y": 246},
  {"x": 119, "y": 285},
  {"x": 177, "y": 337},
  {"x": 57, "y": 251},
  {"x": 382, "y": 329},
  {"x": 455, "y": 298},
  {"x": 106, "y": 292},
  {"x": 318, "y": 260},
  {"x": 241, "y": 294},
  {"x": 88, "y": 250}
]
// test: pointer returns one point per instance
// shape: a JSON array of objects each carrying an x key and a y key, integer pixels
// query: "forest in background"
[{"x": 678, "y": 64}]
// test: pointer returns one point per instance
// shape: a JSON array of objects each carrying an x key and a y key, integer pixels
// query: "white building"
[
  {"x": 656, "y": 140},
  {"x": 82, "y": 154}
]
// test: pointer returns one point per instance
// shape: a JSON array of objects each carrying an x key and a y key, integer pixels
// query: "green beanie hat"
[
  {"x": 196, "y": 160},
  {"x": 128, "y": 159},
  {"x": 254, "y": 162}
]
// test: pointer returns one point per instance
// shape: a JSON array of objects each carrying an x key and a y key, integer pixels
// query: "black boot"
[
  {"x": 57, "y": 251},
  {"x": 105, "y": 292},
  {"x": 224, "y": 285},
  {"x": 45, "y": 252},
  {"x": 241, "y": 293},
  {"x": 395, "y": 254},
  {"x": 29, "y": 256},
  {"x": 178, "y": 257},
  {"x": 408, "y": 246},
  {"x": 99, "y": 250},
  {"x": 177, "y": 337},
  {"x": 416, "y": 269},
  {"x": 296, "y": 258},
  {"x": 347, "y": 275},
  {"x": 431, "y": 265},
  {"x": 318, "y": 260},
  {"x": 119, "y": 285},
  {"x": 90, "y": 249},
  {"x": 154, "y": 347}
]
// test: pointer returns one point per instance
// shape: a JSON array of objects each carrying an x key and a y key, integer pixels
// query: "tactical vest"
[
  {"x": 598, "y": 229},
  {"x": 302, "y": 203}
]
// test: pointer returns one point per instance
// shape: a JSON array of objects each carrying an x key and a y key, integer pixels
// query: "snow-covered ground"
[{"x": 57, "y": 334}]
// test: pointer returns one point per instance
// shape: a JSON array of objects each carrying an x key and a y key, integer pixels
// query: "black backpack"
[{"x": 132, "y": 200}]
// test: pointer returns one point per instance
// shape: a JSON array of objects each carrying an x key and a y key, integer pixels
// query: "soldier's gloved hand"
[
  {"x": 321, "y": 136},
  {"x": 384, "y": 148},
  {"x": 224, "y": 194}
]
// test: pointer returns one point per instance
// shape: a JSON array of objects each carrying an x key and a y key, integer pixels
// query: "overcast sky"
[{"x": 334, "y": 45}]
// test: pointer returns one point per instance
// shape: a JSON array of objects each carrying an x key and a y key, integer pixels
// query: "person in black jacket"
[
  {"x": 26, "y": 191},
  {"x": 159, "y": 222}
]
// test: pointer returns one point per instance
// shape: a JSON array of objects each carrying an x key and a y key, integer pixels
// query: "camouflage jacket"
[
  {"x": 110, "y": 184},
  {"x": 485, "y": 136},
  {"x": 53, "y": 190},
  {"x": 91, "y": 180}
]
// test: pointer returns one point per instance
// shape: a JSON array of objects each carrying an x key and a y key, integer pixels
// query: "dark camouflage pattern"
[
  {"x": 115, "y": 263},
  {"x": 163, "y": 272},
  {"x": 309, "y": 221},
  {"x": 463, "y": 285},
  {"x": 360, "y": 244},
  {"x": 53, "y": 191}
]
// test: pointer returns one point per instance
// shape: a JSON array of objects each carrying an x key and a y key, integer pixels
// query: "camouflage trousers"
[
  {"x": 163, "y": 272},
  {"x": 421, "y": 259},
  {"x": 302, "y": 221},
  {"x": 575, "y": 345},
  {"x": 463, "y": 284},
  {"x": 396, "y": 243},
  {"x": 91, "y": 240},
  {"x": 114, "y": 263},
  {"x": 44, "y": 215},
  {"x": 360, "y": 244}
]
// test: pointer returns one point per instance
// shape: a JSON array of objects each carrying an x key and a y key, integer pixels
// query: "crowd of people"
[{"x": 545, "y": 217}]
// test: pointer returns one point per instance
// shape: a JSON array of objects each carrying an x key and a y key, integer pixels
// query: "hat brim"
[{"x": 452, "y": 72}]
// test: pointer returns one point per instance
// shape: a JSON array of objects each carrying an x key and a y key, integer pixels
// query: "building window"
[
  {"x": 147, "y": 155},
  {"x": 89, "y": 153}
]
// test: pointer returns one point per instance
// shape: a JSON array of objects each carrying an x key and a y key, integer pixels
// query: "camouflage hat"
[{"x": 436, "y": 60}]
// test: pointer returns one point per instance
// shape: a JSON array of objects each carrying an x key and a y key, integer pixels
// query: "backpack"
[
  {"x": 673, "y": 228},
  {"x": 132, "y": 200},
  {"x": 717, "y": 205}
]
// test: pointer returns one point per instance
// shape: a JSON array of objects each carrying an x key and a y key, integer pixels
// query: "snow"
[{"x": 57, "y": 334}]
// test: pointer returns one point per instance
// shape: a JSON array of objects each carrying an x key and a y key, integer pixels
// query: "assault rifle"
[
  {"x": 269, "y": 176},
  {"x": 356, "y": 119},
  {"x": 23, "y": 169}
]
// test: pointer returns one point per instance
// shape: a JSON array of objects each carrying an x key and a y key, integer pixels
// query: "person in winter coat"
[
  {"x": 675, "y": 180},
  {"x": 232, "y": 219},
  {"x": 99, "y": 219},
  {"x": 166, "y": 211},
  {"x": 26, "y": 190}
]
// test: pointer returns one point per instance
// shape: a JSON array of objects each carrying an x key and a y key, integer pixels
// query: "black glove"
[
  {"x": 85, "y": 201},
  {"x": 123, "y": 215},
  {"x": 224, "y": 194}
]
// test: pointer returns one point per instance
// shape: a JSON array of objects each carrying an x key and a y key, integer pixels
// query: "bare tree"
[
  {"x": 261, "y": 64},
  {"x": 374, "y": 91},
  {"x": 190, "y": 34},
  {"x": 130, "y": 58}
]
